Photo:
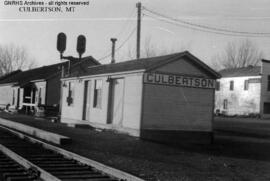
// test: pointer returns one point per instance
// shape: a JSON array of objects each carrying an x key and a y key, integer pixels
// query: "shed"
[{"x": 167, "y": 98}]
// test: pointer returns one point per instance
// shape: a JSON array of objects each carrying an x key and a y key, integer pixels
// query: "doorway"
[
  {"x": 18, "y": 98},
  {"x": 116, "y": 101},
  {"x": 86, "y": 100}
]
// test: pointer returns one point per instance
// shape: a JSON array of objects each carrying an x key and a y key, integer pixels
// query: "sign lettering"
[{"x": 179, "y": 80}]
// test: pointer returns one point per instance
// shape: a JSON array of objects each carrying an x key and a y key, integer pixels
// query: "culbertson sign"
[{"x": 178, "y": 80}]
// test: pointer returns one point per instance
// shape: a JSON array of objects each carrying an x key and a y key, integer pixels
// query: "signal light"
[
  {"x": 81, "y": 41},
  {"x": 61, "y": 42}
]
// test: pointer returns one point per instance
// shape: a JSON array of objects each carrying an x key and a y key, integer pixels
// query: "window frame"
[
  {"x": 268, "y": 83},
  {"x": 231, "y": 85},
  {"x": 217, "y": 85},
  {"x": 225, "y": 104},
  {"x": 246, "y": 85},
  {"x": 97, "y": 96}
]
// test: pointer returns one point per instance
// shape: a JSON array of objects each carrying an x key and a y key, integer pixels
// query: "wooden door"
[{"x": 86, "y": 100}]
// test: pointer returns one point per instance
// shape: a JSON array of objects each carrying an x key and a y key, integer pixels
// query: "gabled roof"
[
  {"x": 145, "y": 64},
  {"x": 45, "y": 72},
  {"x": 10, "y": 74},
  {"x": 241, "y": 72}
]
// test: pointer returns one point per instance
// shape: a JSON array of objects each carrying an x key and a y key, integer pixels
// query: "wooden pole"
[{"x": 139, "y": 6}]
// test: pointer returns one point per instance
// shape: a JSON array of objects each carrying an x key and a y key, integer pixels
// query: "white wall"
[
  {"x": 5, "y": 95},
  {"x": 132, "y": 101},
  {"x": 72, "y": 113},
  {"x": 240, "y": 101},
  {"x": 98, "y": 116}
]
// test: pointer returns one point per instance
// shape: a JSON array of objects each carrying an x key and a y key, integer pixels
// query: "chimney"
[{"x": 113, "y": 49}]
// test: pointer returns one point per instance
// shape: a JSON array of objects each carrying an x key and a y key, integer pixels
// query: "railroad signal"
[
  {"x": 81, "y": 41},
  {"x": 61, "y": 42}
]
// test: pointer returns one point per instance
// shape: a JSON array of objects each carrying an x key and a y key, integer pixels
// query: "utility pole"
[{"x": 139, "y": 6}]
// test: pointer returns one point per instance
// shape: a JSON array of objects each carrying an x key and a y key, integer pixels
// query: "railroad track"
[
  {"x": 41, "y": 163},
  {"x": 10, "y": 170}
]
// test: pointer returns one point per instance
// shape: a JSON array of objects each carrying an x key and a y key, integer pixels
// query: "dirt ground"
[
  {"x": 253, "y": 127},
  {"x": 225, "y": 160}
]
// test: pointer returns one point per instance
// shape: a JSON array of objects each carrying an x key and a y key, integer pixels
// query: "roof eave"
[
  {"x": 104, "y": 74},
  {"x": 266, "y": 61}
]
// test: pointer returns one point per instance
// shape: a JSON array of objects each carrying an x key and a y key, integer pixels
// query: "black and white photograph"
[{"x": 134, "y": 90}]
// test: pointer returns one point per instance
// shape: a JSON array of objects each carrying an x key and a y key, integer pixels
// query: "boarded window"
[
  {"x": 97, "y": 94},
  {"x": 268, "y": 83},
  {"x": 217, "y": 85},
  {"x": 246, "y": 85},
  {"x": 231, "y": 85},
  {"x": 266, "y": 108},
  {"x": 225, "y": 104}
]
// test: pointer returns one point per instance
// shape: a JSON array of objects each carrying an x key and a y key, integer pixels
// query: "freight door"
[{"x": 116, "y": 101}]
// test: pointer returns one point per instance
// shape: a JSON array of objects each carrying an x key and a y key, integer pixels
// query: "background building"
[
  {"x": 244, "y": 91},
  {"x": 25, "y": 90}
]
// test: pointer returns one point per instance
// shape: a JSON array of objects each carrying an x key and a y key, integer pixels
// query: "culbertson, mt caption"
[{"x": 50, "y": 6}]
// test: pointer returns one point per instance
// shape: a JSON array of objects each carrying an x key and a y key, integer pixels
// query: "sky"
[{"x": 104, "y": 19}]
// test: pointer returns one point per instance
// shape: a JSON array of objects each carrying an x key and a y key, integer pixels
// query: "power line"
[
  {"x": 119, "y": 34},
  {"x": 202, "y": 30},
  {"x": 126, "y": 23},
  {"x": 207, "y": 28},
  {"x": 121, "y": 45}
]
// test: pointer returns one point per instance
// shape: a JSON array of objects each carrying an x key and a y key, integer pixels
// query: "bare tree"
[
  {"x": 238, "y": 55},
  {"x": 149, "y": 49},
  {"x": 13, "y": 58}
]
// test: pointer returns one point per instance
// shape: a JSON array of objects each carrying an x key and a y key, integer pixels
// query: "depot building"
[{"x": 168, "y": 98}]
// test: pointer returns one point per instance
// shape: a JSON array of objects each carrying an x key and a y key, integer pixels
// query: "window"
[
  {"x": 225, "y": 104},
  {"x": 97, "y": 94},
  {"x": 231, "y": 85},
  {"x": 266, "y": 108},
  {"x": 217, "y": 85},
  {"x": 70, "y": 97},
  {"x": 13, "y": 97},
  {"x": 268, "y": 83},
  {"x": 246, "y": 85}
]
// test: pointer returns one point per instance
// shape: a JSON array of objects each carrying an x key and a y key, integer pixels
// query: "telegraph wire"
[
  {"x": 121, "y": 45},
  {"x": 203, "y": 27},
  {"x": 129, "y": 36},
  {"x": 202, "y": 30},
  {"x": 126, "y": 23}
]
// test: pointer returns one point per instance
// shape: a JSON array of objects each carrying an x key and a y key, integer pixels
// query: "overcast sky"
[{"x": 104, "y": 19}]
